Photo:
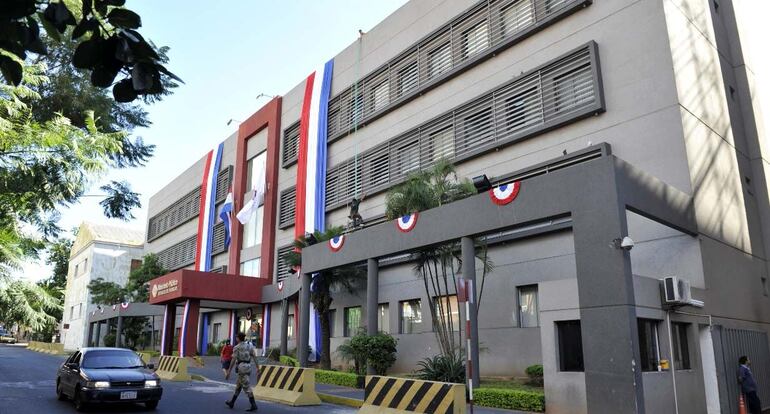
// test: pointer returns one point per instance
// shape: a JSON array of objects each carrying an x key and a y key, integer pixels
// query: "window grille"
[{"x": 290, "y": 145}]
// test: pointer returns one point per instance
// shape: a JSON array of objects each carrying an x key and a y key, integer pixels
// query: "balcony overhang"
[{"x": 207, "y": 287}]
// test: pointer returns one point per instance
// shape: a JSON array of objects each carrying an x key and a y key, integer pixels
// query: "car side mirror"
[
  {"x": 72, "y": 365},
  {"x": 151, "y": 366}
]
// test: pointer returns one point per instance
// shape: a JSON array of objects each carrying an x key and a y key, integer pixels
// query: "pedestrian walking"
[
  {"x": 748, "y": 386},
  {"x": 243, "y": 353},
  {"x": 226, "y": 356}
]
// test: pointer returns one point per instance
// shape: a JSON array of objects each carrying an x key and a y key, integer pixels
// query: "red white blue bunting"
[
  {"x": 406, "y": 223},
  {"x": 124, "y": 305},
  {"x": 335, "y": 243},
  {"x": 280, "y": 286},
  {"x": 504, "y": 193}
]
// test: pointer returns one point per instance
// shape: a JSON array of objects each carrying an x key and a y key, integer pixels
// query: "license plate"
[{"x": 128, "y": 395}]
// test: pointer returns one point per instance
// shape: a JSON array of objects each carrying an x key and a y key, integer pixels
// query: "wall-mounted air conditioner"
[{"x": 676, "y": 292}]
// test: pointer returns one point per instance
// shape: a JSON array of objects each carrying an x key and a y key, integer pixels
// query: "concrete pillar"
[
  {"x": 189, "y": 333},
  {"x": 304, "y": 320},
  {"x": 468, "y": 251},
  {"x": 372, "y": 299},
  {"x": 118, "y": 333},
  {"x": 167, "y": 336},
  {"x": 98, "y": 333},
  {"x": 284, "y": 326},
  {"x": 90, "y": 339}
]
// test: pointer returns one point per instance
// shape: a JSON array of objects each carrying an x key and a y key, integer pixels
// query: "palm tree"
[
  {"x": 437, "y": 264},
  {"x": 323, "y": 284}
]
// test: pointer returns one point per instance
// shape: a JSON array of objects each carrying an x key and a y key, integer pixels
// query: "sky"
[{"x": 228, "y": 53}]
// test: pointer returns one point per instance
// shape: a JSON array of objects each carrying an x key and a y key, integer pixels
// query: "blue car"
[{"x": 107, "y": 375}]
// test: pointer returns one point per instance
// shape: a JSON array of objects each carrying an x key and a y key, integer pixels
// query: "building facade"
[
  {"x": 99, "y": 251},
  {"x": 618, "y": 119}
]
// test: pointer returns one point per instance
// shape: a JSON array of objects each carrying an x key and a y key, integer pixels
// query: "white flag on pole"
[{"x": 257, "y": 192}]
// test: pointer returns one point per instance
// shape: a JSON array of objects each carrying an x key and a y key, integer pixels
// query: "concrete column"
[
  {"x": 284, "y": 326},
  {"x": 118, "y": 333},
  {"x": 372, "y": 299},
  {"x": 304, "y": 320},
  {"x": 189, "y": 332},
  {"x": 167, "y": 336},
  {"x": 468, "y": 250},
  {"x": 98, "y": 333},
  {"x": 90, "y": 339}
]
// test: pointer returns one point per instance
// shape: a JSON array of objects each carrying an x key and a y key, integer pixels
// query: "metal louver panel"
[
  {"x": 478, "y": 33},
  {"x": 183, "y": 253},
  {"x": 287, "y": 206},
  {"x": 290, "y": 145},
  {"x": 282, "y": 267}
]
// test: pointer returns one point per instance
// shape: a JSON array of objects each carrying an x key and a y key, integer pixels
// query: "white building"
[{"x": 99, "y": 251}]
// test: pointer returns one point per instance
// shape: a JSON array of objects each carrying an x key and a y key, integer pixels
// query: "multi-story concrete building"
[
  {"x": 99, "y": 251},
  {"x": 618, "y": 119}
]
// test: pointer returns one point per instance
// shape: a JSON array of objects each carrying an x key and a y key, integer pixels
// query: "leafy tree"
[
  {"x": 135, "y": 290},
  {"x": 322, "y": 285},
  {"x": 28, "y": 305},
  {"x": 108, "y": 43},
  {"x": 59, "y": 258},
  {"x": 438, "y": 265}
]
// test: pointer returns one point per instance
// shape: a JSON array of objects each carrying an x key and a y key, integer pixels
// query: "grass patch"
[
  {"x": 344, "y": 379},
  {"x": 509, "y": 384}
]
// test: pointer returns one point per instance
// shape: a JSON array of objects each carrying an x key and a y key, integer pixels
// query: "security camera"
[{"x": 627, "y": 243}]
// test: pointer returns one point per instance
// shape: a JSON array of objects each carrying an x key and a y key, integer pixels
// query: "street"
[{"x": 27, "y": 381}]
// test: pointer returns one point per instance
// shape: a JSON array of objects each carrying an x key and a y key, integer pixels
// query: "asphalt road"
[{"x": 27, "y": 382}]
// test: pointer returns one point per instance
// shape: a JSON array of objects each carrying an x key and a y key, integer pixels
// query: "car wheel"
[
  {"x": 80, "y": 405},
  {"x": 59, "y": 394},
  {"x": 151, "y": 405}
]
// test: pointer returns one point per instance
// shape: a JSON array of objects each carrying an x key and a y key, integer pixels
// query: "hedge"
[
  {"x": 290, "y": 361},
  {"x": 345, "y": 379},
  {"x": 509, "y": 399}
]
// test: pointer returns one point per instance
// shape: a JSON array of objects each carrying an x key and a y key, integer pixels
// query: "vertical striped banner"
[
  {"x": 163, "y": 334},
  {"x": 265, "y": 328},
  {"x": 183, "y": 331},
  {"x": 207, "y": 216}
]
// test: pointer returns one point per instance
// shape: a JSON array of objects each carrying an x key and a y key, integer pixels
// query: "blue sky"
[{"x": 227, "y": 53}]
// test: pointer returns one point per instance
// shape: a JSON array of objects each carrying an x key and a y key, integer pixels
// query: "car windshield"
[{"x": 111, "y": 359}]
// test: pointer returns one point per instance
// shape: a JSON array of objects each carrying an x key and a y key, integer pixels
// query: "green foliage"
[
  {"x": 343, "y": 379},
  {"x": 273, "y": 354},
  {"x": 136, "y": 288},
  {"x": 444, "y": 368},
  {"x": 509, "y": 399},
  {"x": 109, "y": 339},
  {"x": 214, "y": 349},
  {"x": 290, "y": 361},
  {"x": 377, "y": 351},
  {"x": 535, "y": 374},
  {"x": 29, "y": 305}
]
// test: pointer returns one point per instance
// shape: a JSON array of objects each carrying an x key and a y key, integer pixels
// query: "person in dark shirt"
[{"x": 748, "y": 386}]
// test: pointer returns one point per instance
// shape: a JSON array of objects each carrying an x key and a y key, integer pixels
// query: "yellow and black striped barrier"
[
  {"x": 287, "y": 385},
  {"x": 401, "y": 395},
  {"x": 172, "y": 368}
]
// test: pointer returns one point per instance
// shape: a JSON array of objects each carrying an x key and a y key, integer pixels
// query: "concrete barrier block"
[
  {"x": 287, "y": 385},
  {"x": 172, "y": 368},
  {"x": 391, "y": 395}
]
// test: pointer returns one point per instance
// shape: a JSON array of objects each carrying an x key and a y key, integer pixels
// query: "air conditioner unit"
[{"x": 676, "y": 292}]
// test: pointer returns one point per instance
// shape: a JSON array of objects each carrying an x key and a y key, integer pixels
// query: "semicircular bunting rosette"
[
  {"x": 504, "y": 193},
  {"x": 407, "y": 222},
  {"x": 336, "y": 242}
]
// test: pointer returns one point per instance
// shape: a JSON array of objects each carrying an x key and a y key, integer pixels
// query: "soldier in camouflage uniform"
[{"x": 243, "y": 354}]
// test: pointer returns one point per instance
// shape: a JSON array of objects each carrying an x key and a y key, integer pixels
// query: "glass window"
[
  {"x": 411, "y": 316},
  {"x": 352, "y": 320},
  {"x": 570, "y": 346},
  {"x": 383, "y": 318},
  {"x": 441, "y": 144},
  {"x": 523, "y": 109},
  {"x": 477, "y": 129},
  {"x": 681, "y": 345},
  {"x": 439, "y": 60},
  {"x": 515, "y": 17},
  {"x": 356, "y": 109},
  {"x": 85, "y": 266},
  {"x": 407, "y": 78},
  {"x": 250, "y": 268},
  {"x": 528, "y": 309},
  {"x": 649, "y": 351},
  {"x": 448, "y": 312},
  {"x": 406, "y": 158},
  {"x": 475, "y": 39},
  {"x": 381, "y": 95},
  {"x": 215, "y": 333},
  {"x": 252, "y": 230}
]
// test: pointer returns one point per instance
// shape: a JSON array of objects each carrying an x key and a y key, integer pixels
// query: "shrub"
[
  {"x": 273, "y": 354},
  {"x": 377, "y": 351},
  {"x": 444, "y": 368},
  {"x": 109, "y": 339},
  {"x": 343, "y": 379},
  {"x": 355, "y": 350},
  {"x": 214, "y": 349},
  {"x": 509, "y": 399},
  {"x": 290, "y": 361},
  {"x": 535, "y": 374}
]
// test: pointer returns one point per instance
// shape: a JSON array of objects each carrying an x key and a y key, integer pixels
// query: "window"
[
  {"x": 290, "y": 327},
  {"x": 356, "y": 109},
  {"x": 649, "y": 351},
  {"x": 411, "y": 316},
  {"x": 290, "y": 144},
  {"x": 448, "y": 312},
  {"x": 570, "y": 346},
  {"x": 475, "y": 39},
  {"x": 352, "y": 320},
  {"x": 406, "y": 157},
  {"x": 250, "y": 268},
  {"x": 84, "y": 269},
  {"x": 383, "y": 318},
  {"x": 381, "y": 96},
  {"x": 439, "y": 60},
  {"x": 407, "y": 78},
  {"x": 72, "y": 312},
  {"x": 215, "y": 333},
  {"x": 440, "y": 144},
  {"x": 77, "y": 270},
  {"x": 528, "y": 309},
  {"x": 515, "y": 17},
  {"x": 252, "y": 230},
  {"x": 681, "y": 346},
  {"x": 79, "y": 313},
  {"x": 573, "y": 89}
]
